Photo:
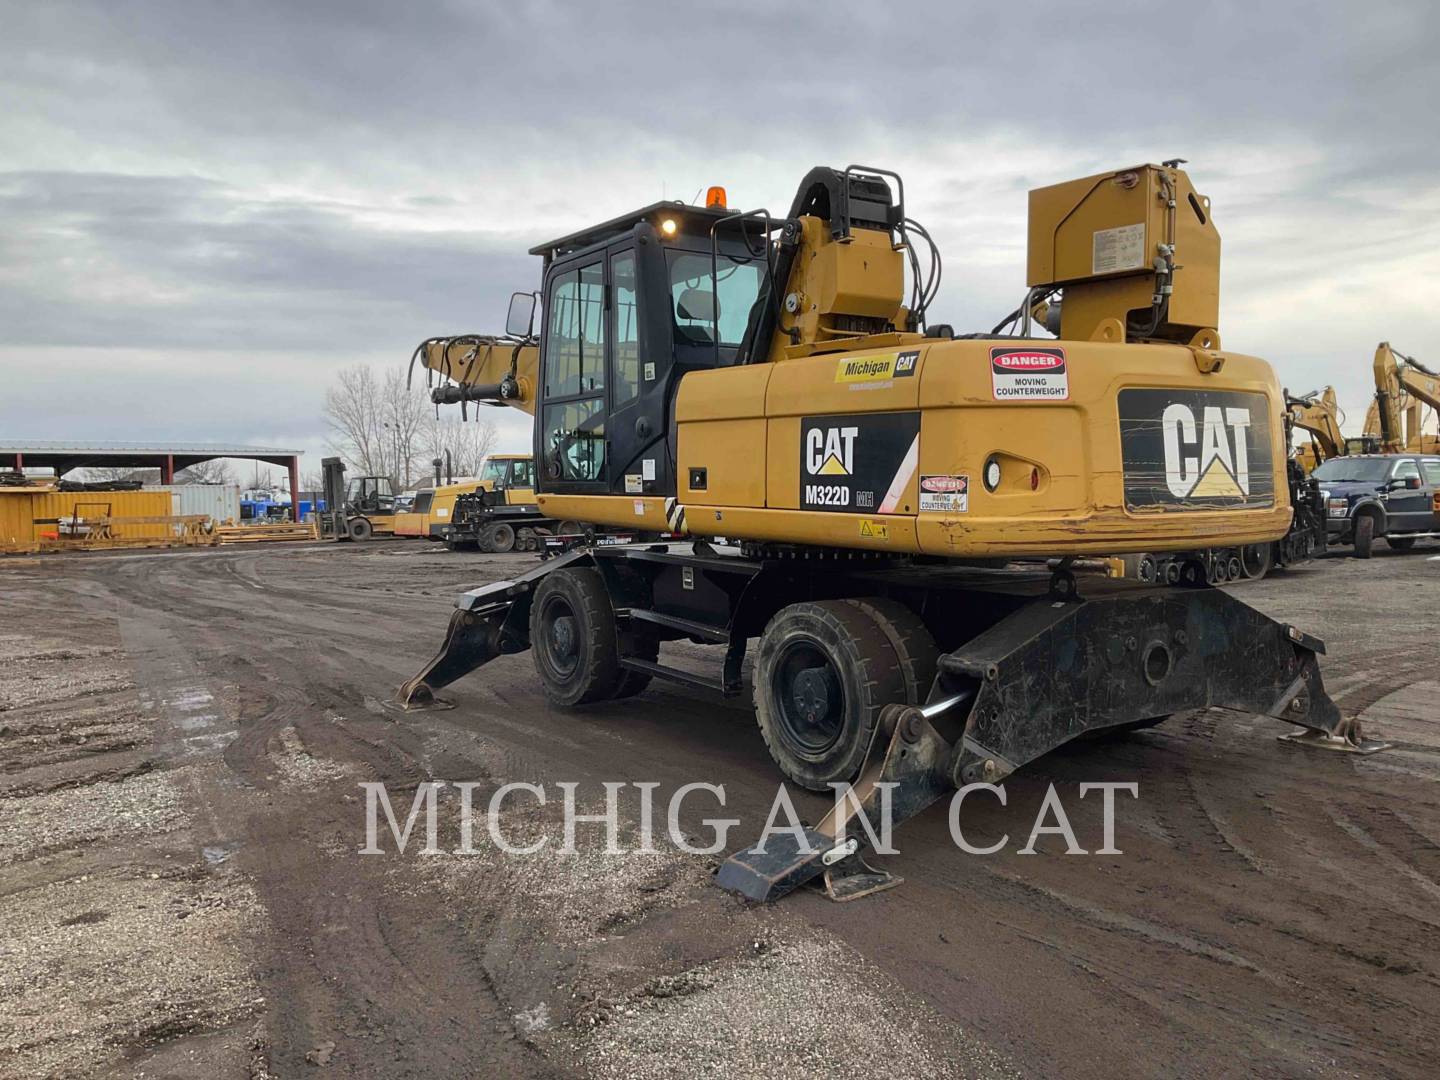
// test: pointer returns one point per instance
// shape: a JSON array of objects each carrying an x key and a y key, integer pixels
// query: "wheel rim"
[
  {"x": 559, "y": 636},
  {"x": 809, "y": 699}
]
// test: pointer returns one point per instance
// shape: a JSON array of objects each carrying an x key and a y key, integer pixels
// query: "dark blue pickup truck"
[{"x": 1369, "y": 496}]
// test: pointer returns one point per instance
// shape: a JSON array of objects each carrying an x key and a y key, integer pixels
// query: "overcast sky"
[{"x": 207, "y": 209}]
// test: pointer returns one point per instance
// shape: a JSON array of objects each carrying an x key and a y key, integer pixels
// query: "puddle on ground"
[{"x": 215, "y": 854}]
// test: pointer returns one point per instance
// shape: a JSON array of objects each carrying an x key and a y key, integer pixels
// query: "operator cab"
[
  {"x": 503, "y": 473},
  {"x": 371, "y": 495},
  {"x": 629, "y": 306}
]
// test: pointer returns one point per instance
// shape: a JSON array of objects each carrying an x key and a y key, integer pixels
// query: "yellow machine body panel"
[
  {"x": 1130, "y": 432},
  {"x": 1099, "y": 239},
  {"x": 437, "y": 509},
  {"x": 856, "y": 453}
]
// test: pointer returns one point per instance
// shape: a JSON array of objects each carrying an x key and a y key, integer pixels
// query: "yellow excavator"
[
  {"x": 1319, "y": 414},
  {"x": 1395, "y": 420},
  {"x": 855, "y": 480}
]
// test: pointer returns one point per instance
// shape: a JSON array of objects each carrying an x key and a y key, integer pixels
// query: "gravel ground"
[
  {"x": 121, "y": 937},
  {"x": 182, "y": 744}
]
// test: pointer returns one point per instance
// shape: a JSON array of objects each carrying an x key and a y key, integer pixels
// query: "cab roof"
[{"x": 691, "y": 219}]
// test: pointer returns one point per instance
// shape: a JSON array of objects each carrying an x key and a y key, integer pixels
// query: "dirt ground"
[{"x": 183, "y": 737}]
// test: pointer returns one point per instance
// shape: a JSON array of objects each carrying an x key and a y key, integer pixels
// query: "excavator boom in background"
[
  {"x": 1402, "y": 386},
  {"x": 855, "y": 479}
]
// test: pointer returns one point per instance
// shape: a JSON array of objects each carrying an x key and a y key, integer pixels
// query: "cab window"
[
  {"x": 698, "y": 303},
  {"x": 1432, "y": 471},
  {"x": 575, "y": 343},
  {"x": 574, "y": 442},
  {"x": 521, "y": 474},
  {"x": 1404, "y": 470},
  {"x": 494, "y": 471},
  {"x": 625, "y": 375}
]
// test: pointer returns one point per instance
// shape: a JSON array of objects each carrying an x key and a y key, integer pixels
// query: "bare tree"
[
  {"x": 353, "y": 412},
  {"x": 97, "y": 474},
  {"x": 467, "y": 440},
  {"x": 380, "y": 426},
  {"x": 214, "y": 471}
]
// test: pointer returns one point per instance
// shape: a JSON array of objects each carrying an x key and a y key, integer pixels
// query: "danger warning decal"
[
  {"x": 1028, "y": 374},
  {"x": 858, "y": 463},
  {"x": 1196, "y": 449},
  {"x": 945, "y": 494}
]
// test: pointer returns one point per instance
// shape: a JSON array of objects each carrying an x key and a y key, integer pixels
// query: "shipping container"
[
  {"x": 219, "y": 502},
  {"x": 29, "y": 515}
]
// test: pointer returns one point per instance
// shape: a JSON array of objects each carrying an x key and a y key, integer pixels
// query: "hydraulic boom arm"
[
  {"x": 1400, "y": 386},
  {"x": 480, "y": 367},
  {"x": 1319, "y": 414}
]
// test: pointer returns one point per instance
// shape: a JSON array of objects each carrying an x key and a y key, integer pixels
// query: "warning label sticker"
[
  {"x": 1118, "y": 249},
  {"x": 874, "y": 530},
  {"x": 1029, "y": 374},
  {"x": 945, "y": 494}
]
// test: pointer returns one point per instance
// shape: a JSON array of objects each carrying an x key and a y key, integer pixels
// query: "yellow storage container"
[{"x": 29, "y": 515}]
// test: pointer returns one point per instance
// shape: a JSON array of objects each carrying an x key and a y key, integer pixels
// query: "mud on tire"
[
  {"x": 822, "y": 674},
  {"x": 573, "y": 638}
]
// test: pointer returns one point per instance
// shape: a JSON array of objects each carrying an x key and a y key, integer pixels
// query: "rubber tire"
[
  {"x": 911, "y": 640},
  {"x": 360, "y": 529},
  {"x": 484, "y": 538},
  {"x": 869, "y": 673},
  {"x": 1400, "y": 543},
  {"x": 569, "y": 528},
  {"x": 526, "y": 540},
  {"x": 1364, "y": 536},
  {"x": 596, "y": 675},
  {"x": 502, "y": 537}
]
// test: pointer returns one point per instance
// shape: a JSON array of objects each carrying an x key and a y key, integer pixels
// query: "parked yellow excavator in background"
[
  {"x": 1403, "y": 386},
  {"x": 856, "y": 482},
  {"x": 1319, "y": 414}
]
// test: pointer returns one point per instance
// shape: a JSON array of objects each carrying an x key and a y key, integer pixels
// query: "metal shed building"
[{"x": 168, "y": 458}]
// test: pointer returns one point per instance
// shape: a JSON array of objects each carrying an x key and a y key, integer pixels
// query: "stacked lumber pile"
[
  {"x": 256, "y": 534},
  {"x": 185, "y": 530}
]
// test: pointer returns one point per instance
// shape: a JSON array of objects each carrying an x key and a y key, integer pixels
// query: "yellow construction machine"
[
  {"x": 855, "y": 480},
  {"x": 1318, "y": 414},
  {"x": 495, "y": 511},
  {"x": 1395, "y": 420}
]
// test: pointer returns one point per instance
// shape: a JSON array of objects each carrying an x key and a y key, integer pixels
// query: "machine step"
[
  {"x": 660, "y": 671},
  {"x": 704, "y": 631}
]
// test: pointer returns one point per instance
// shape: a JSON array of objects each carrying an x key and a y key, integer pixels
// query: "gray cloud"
[{"x": 105, "y": 259}]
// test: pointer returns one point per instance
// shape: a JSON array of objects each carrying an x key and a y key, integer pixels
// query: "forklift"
[{"x": 358, "y": 510}]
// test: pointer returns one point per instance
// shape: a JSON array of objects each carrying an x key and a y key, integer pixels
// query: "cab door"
[
  {"x": 570, "y": 446},
  {"x": 606, "y": 374},
  {"x": 638, "y": 382},
  {"x": 520, "y": 483}
]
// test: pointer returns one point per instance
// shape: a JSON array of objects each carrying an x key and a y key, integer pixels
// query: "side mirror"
[
  {"x": 1412, "y": 483},
  {"x": 520, "y": 321}
]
